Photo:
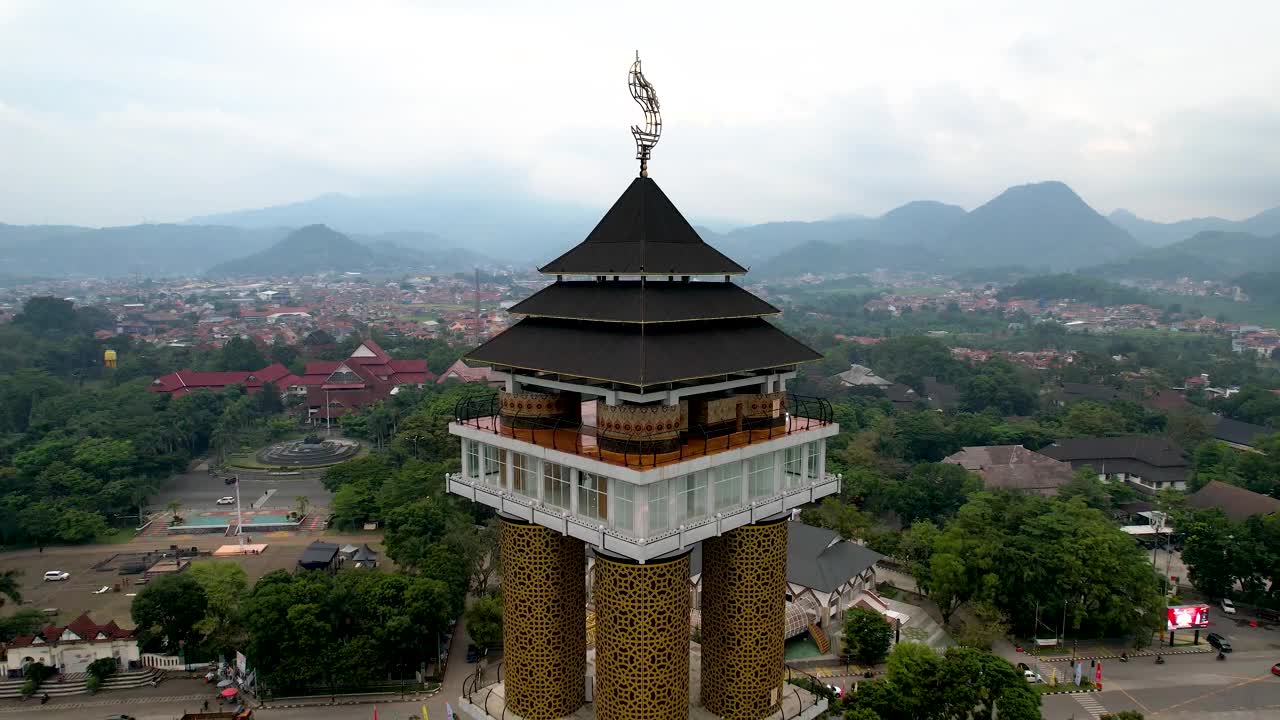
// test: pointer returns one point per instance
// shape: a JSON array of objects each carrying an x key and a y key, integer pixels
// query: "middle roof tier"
[{"x": 647, "y": 301}]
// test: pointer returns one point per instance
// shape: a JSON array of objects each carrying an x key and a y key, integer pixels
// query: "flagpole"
[{"x": 239, "y": 515}]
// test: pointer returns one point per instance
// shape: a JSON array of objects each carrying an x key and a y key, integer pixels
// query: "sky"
[{"x": 125, "y": 112}]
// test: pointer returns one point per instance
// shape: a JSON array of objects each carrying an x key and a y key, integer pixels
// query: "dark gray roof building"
[
  {"x": 817, "y": 558},
  {"x": 1235, "y": 502},
  {"x": 1153, "y": 463},
  {"x": 1237, "y": 432}
]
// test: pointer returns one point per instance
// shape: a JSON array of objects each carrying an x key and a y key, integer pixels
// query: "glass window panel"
[
  {"x": 728, "y": 485},
  {"x": 473, "y": 459},
  {"x": 624, "y": 506},
  {"x": 691, "y": 505},
  {"x": 495, "y": 466},
  {"x": 792, "y": 463},
  {"x": 814, "y": 456},
  {"x": 555, "y": 485},
  {"x": 593, "y": 496},
  {"x": 659, "y": 507},
  {"x": 760, "y": 476},
  {"x": 524, "y": 474}
]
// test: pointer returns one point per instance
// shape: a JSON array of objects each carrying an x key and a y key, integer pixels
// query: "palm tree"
[
  {"x": 9, "y": 586},
  {"x": 303, "y": 502},
  {"x": 174, "y": 506}
]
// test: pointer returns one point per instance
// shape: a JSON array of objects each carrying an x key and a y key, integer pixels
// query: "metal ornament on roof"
[{"x": 647, "y": 98}]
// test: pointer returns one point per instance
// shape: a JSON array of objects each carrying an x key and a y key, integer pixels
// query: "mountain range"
[
  {"x": 1041, "y": 226},
  {"x": 1157, "y": 234}
]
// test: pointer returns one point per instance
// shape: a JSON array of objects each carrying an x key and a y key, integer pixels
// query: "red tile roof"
[{"x": 84, "y": 627}]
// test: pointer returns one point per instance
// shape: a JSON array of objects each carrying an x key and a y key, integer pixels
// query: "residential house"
[
  {"x": 72, "y": 647},
  {"x": 1013, "y": 467},
  {"x": 861, "y": 376},
  {"x": 1238, "y": 434},
  {"x": 1149, "y": 463},
  {"x": 1069, "y": 392},
  {"x": 1235, "y": 502},
  {"x": 459, "y": 371}
]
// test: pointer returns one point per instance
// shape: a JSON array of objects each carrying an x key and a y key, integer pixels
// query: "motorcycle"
[
  {"x": 1159, "y": 659},
  {"x": 1221, "y": 656}
]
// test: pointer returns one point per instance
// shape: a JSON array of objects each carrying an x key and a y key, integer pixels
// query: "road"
[
  {"x": 198, "y": 490},
  {"x": 1185, "y": 687}
]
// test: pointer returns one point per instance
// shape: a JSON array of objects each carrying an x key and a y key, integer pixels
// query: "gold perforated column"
[
  {"x": 744, "y": 577},
  {"x": 544, "y": 616},
  {"x": 642, "y": 639}
]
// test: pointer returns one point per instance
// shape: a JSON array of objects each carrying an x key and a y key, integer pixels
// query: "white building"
[{"x": 72, "y": 647}]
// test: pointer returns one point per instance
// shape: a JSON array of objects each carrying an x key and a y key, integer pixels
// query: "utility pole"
[{"x": 239, "y": 516}]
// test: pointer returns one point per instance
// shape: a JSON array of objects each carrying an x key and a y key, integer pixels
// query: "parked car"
[
  {"x": 1275, "y": 669},
  {"x": 230, "y": 480},
  {"x": 474, "y": 654},
  {"x": 1030, "y": 675},
  {"x": 121, "y": 717},
  {"x": 1220, "y": 643},
  {"x": 1228, "y": 607},
  {"x": 55, "y": 575},
  {"x": 839, "y": 691},
  {"x": 1270, "y": 615},
  {"x": 228, "y": 500}
]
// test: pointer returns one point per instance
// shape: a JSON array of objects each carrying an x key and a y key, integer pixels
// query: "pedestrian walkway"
[
  {"x": 34, "y": 706},
  {"x": 158, "y": 527},
  {"x": 1091, "y": 705},
  {"x": 314, "y": 522}
]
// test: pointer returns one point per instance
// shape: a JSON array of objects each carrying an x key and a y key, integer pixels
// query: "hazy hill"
[
  {"x": 1209, "y": 255},
  {"x": 151, "y": 250},
  {"x": 318, "y": 249},
  {"x": 1045, "y": 225},
  {"x": 500, "y": 223},
  {"x": 1158, "y": 234},
  {"x": 919, "y": 223},
  {"x": 1039, "y": 224}
]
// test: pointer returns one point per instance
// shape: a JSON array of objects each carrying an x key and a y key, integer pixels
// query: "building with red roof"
[
  {"x": 71, "y": 647},
  {"x": 337, "y": 387},
  {"x": 186, "y": 381}
]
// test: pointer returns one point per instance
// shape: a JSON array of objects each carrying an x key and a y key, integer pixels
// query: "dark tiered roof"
[
  {"x": 643, "y": 355},
  {"x": 648, "y": 301},
  {"x": 647, "y": 332},
  {"x": 643, "y": 234}
]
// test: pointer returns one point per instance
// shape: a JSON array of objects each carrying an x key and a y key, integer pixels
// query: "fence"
[
  {"x": 169, "y": 662},
  {"x": 638, "y": 450}
]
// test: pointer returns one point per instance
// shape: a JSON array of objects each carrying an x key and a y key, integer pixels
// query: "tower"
[{"x": 644, "y": 411}]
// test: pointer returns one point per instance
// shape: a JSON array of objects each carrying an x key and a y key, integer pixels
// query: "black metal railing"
[{"x": 572, "y": 436}]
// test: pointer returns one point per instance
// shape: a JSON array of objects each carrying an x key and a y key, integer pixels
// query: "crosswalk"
[{"x": 1091, "y": 705}]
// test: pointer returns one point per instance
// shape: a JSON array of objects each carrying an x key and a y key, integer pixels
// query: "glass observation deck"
[{"x": 636, "y": 501}]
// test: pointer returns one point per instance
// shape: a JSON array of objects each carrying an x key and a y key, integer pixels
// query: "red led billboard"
[{"x": 1184, "y": 617}]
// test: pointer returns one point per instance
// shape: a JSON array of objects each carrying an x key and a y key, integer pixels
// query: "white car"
[
  {"x": 1032, "y": 676},
  {"x": 56, "y": 575},
  {"x": 1228, "y": 607},
  {"x": 839, "y": 691},
  {"x": 228, "y": 500}
]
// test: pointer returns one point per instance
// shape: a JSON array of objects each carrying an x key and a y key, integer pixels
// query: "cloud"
[{"x": 147, "y": 110}]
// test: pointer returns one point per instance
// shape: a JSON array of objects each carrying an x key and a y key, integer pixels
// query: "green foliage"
[
  {"x": 1019, "y": 553},
  {"x": 934, "y": 491},
  {"x": 484, "y": 620},
  {"x": 169, "y": 608},
  {"x": 9, "y": 586},
  {"x": 1253, "y": 404},
  {"x": 102, "y": 668},
  {"x": 1074, "y": 287},
  {"x": 225, "y": 585},
  {"x": 1219, "y": 553},
  {"x": 987, "y": 625},
  {"x": 1123, "y": 715},
  {"x": 866, "y": 635},
  {"x": 316, "y": 629},
  {"x": 965, "y": 682},
  {"x": 23, "y": 622},
  {"x": 997, "y": 386}
]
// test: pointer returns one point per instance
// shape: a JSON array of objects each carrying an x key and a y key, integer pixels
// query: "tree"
[
  {"x": 484, "y": 621},
  {"x": 1208, "y": 551},
  {"x": 78, "y": 526},
  {"x": 170, "y": 608},
  {"x": 1089, "y": 419},
  {"x": 934, "y": 491},
  {"x": 23, "y": 622},
  {"x": 241, "y": 354},
  {"x": 987, "y": 625},
  {"x": 173, "y": 507},
  {"x": 302, "y": 502},
  {"x": 866, "y": 635},
  {"x": 839, "y": 516},
  {"x": 225, "y": 585},
  {"x": 9, "y": 586}
]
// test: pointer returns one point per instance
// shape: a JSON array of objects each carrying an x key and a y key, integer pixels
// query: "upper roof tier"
[
  {"x": 648, "y": 301},
  {"x": 643, "y": 234}
]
